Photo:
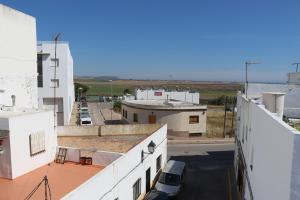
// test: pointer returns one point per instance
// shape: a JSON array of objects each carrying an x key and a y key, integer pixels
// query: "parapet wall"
[{"x": 106, "y": 130}]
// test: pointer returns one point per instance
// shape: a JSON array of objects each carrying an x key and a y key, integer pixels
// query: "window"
[
  {"x": 194, "y": 119},
  {"x": 123, "y": 112},
  {"x": 126, "y": 114},
  {"x": 135, "y": 117},
  {"x": 169, "y": 179},
  {"x": 40, "y": 70},
  {"x": 136, "y": 189},
  {"x": 158, "y": 163},
  {"x": 53, "y": 62},
  {"x": 37, "y": 143},
  {"x": 54, "y": 83}
]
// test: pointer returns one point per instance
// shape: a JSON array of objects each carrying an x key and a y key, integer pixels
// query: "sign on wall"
[
  {"x": 37, "y": 143},
  {"x": 157, "y": 93}
]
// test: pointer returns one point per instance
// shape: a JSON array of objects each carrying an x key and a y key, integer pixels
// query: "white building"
[
  {"x": 294, "y": 78},
  {"x": 63, "y": 82},
  {"x": 108, "y": 162},
  {"x": 162, "y": 94},
  {"x": 18, "y": 77},
  {"x": 27, "y": 135},
  {"x": 181, "y": 117},
  {"x": 267, "y": 158},
  {"x": 121, "y": 165}
]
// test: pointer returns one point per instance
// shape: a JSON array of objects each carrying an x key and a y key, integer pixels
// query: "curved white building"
[{"x": 180, "y": 116}]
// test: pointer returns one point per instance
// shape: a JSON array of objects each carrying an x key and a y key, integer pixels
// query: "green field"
[{"x": 208, "y": 90}]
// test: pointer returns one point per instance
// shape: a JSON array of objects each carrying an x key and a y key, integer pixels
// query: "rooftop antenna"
[
  {"x": 297, "y": 66},
  {"x": 55, "y": 39},
  {"x": 247, "y": 63}
]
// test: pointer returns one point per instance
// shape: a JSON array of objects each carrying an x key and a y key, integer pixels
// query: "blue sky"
[{"x": 178, "y": 39}]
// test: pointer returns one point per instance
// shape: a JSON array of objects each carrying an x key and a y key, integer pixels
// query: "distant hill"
[{"x": 98, "y": 78}]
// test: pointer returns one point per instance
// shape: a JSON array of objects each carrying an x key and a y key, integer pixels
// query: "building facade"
[
  {"x": 63, "y": 82},
  {"x": 267, "y": 151},
  {"x": 162, "y": 94},
  {"x": 27, "y": 135},
  {"x": 18, "y": 77},
  {"x": 180, "y": 116}
]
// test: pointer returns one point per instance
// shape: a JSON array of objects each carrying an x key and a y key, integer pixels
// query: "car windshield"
[
  {"x": 169, "y": 179},
  {"x": 84, "y": 115}
]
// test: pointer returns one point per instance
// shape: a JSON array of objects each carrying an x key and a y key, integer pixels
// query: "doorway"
[
  {"x": 148, "y": 181},
  {"x": 152, "y": 119}
]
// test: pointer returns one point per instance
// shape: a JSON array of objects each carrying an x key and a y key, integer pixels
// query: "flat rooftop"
[
  {"x": 111, "y": 143},
  {"x": 164, "y": 105},
  {"x": 8, "y": 114},
  {"x": 63, "y": 178}
]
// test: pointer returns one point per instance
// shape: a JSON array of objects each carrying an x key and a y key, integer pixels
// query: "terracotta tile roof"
[{"x": 63, "y": 178}]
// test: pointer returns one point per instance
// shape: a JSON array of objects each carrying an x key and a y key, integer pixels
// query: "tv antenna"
[
  {"x": 55, "y": 39},
  {"x": 297, "y": 66}
]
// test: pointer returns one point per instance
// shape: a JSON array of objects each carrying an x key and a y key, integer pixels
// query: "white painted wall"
[
  {"x": 20, "y": 127},
  {"x": 117, "y": 179},
  {"x": 185, "y": 96},
  {"x": 18, "y": 74},
  {"x": 64, "y": 73},
  {"x": 176, "y": 120},
  {"x": 294, "y": 78},
  {"x": 268, "y": 144}
]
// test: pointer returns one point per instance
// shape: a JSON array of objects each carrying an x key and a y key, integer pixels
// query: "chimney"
[{"x": 274, "y": 102}]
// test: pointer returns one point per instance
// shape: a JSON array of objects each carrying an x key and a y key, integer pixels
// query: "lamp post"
[
  {"x": 111, "y": 111},
  {"x": 79, "y": 93},
  {"x": 151, "y": 149},
  {"x": 247, "y": 63}
]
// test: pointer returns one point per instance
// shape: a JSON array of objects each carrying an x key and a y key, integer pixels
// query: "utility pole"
[
  {"x": 297, "y": 66},
  {"x": 55, "y": 82},
  {"x": 233, "y": 114},
  {"x": 225, "y": 117},
  {"x": 247, "y": 63}
]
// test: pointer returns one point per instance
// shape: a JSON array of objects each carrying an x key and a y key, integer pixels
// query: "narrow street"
[{"x": 209, "y": 170}]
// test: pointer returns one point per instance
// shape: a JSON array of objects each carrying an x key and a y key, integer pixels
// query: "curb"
[{"x": 213, "y": 141}]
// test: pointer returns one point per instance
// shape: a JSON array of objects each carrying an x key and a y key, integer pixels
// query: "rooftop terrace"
[
  {"x": 118, "y": 143},
  {"x": 164, "y": 104},
  {"x": 63, "y": 178}
]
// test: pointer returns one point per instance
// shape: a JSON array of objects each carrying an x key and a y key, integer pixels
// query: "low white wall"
[
  {"x": 106, "y": 130},
  {"x": 101, "y": 158},
  {"x": 117, "y": 179},
  {"x": 185, "y": 96},
  {"x": 20, "y": 128}
]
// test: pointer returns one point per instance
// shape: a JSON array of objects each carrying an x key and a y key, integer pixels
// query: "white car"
[
  {"x": 171, "y": 178},
  {"x": 85, "y": 119}
]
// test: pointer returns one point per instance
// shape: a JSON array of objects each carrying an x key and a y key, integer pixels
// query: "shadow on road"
[{"x": 208, "y": 177}]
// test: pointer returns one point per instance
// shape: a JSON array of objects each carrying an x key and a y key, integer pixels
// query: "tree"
[
  {"x": 126, "y": 91},
  {"x": 117, "y": 106},
  {"x": 84, "y": 89}
]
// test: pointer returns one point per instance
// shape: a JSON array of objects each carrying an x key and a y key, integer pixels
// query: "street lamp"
[
  {"x": 151, "y": 149},
  {"x": 111, "y": 100},
  {"x": 79, "y": 94},
  {"x": 248, "y": 63}
]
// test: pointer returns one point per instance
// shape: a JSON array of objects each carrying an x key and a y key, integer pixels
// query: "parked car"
[
  {"x": 156, "y": 195},
  {"x": 85, "y": 119},
  {"x": 171, "y": 179}
]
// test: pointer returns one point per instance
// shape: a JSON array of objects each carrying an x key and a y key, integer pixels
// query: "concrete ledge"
[
  {"x": 107, "y": 130},
  {"x": 202, "y": 141}
]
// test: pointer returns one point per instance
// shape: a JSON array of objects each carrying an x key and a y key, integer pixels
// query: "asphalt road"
[{"x": 209, "y": 170}]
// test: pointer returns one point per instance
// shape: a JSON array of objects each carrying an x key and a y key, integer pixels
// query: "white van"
[{"x": 171, "y": 178}]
